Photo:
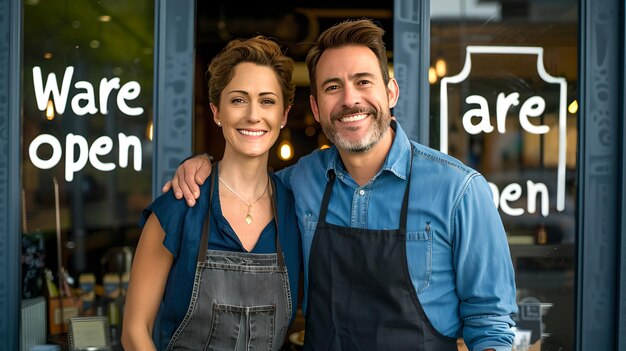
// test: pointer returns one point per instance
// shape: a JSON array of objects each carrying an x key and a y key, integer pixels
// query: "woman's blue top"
[{"x": 183, "y": 228}]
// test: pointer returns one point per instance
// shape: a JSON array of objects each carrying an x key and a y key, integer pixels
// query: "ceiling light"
[
  {"x": 573, "y": 107},
  {"x": 285, "y": 150},
  {"x": 432, "y": 76}
]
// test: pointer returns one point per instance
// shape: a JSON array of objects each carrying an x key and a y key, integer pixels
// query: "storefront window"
[
  {"x": 504, "y": 101},
  {"x": 86, "y": 152}
]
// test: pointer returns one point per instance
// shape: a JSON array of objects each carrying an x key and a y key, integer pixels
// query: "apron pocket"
[{"x": 234, "y": 325}]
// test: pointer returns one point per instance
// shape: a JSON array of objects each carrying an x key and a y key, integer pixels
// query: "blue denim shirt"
[{"x": 461, "y": 268}]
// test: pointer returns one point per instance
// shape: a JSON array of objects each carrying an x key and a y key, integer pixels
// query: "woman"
[{"x": 225, "y": 288}]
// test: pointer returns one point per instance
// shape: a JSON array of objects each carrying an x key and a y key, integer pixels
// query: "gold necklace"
[{"x": 250, "y": 205}]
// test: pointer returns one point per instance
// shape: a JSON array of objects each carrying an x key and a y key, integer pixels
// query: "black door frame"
[
  {"x": 601, "y": 246},
  {"x": 10, "y": 182}
]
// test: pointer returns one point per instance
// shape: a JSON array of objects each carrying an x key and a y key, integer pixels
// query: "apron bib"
[
  {"x": 240, "y": 301},
  {"x": 360, "y": 293}
]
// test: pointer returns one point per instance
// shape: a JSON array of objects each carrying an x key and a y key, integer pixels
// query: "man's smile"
[{"x": 353, "y": 118}]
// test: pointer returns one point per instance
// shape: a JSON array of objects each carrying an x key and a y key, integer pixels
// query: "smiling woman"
[{"x": 242, "y": 236}]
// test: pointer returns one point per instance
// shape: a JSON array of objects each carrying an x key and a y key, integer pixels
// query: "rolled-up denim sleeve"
[{"x": 485, "y": 278}]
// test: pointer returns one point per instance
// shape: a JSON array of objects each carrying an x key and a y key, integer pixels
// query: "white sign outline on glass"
[{"x": 519, "y": 50}]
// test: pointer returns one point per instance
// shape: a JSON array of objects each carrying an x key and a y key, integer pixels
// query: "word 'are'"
[{"x": 532, "y": 107}]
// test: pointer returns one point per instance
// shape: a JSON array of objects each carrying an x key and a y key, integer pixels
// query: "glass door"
[
  {"x": 86, "y": 167},
  {"x": 503, "y": 100}
]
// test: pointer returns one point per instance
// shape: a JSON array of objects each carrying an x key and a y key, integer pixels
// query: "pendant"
[{"x": 248, "y": 218}]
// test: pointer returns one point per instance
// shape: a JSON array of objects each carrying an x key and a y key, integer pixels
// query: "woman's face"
[{"x": 251, "y": 110}]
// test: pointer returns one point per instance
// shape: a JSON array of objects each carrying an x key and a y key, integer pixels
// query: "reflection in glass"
[
  {"x": 87, "y": 97},
  {"x": 505, "y": 107}
]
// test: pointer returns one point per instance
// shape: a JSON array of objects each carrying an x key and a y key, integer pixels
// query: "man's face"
[{"x": 353, "y": 102}]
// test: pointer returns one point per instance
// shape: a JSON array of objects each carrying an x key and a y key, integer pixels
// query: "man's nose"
[{"x": 351, "y": 96}]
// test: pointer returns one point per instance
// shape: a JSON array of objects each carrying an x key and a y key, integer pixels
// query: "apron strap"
[
  {"x": 279, "y": 250},
  {"x": 405, "y": 201},
  {"x": 204, "y": 240},
  {"x": 327, "y": 192}
]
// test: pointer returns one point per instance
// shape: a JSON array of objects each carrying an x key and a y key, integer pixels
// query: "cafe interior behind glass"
[{"x": 503, "y": 99}]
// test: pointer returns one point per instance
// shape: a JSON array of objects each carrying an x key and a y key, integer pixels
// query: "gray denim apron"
[
  {"x": 360, "y": 293},
  {"x": 240, "y": 301}
]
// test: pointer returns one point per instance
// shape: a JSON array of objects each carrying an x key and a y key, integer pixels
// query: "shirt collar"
[{"x": 397, "y": 161}]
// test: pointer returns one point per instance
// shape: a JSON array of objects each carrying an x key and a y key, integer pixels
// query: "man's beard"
[{"x": 376, "y": 131}]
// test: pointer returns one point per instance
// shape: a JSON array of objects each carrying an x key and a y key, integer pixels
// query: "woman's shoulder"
[
  {"x": 167, "y": 207},
  {"x": 164, "y": 204}
]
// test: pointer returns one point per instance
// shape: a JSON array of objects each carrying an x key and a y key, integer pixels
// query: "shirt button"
[{"x": 361, "y": 192}]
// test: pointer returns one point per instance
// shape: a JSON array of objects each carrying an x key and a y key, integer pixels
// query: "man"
[{"x": 403, "y": 246}]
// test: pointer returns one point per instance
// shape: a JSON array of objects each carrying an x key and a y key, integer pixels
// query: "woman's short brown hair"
[
  {"x": 352, "y": 32},
  {"x": 259, "y": 50}
]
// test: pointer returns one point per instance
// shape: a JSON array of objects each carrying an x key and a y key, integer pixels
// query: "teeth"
[
  {"x": 251, "y": 133},
  {"x": 353, "y": 118}
]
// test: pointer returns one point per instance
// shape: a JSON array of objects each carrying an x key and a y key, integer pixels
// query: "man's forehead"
[
  {"x": 348, "y": 53},
  {"x": 347, "y": 61}
]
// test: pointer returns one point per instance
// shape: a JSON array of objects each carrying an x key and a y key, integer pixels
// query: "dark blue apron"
[{"x": 360, "y": 293}]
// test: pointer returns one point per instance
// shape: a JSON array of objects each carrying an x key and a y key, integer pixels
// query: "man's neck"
[{"x": 362, "y": 167}]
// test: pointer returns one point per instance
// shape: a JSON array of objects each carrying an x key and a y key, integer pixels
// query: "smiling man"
[{"x": 403, "y": 247}]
